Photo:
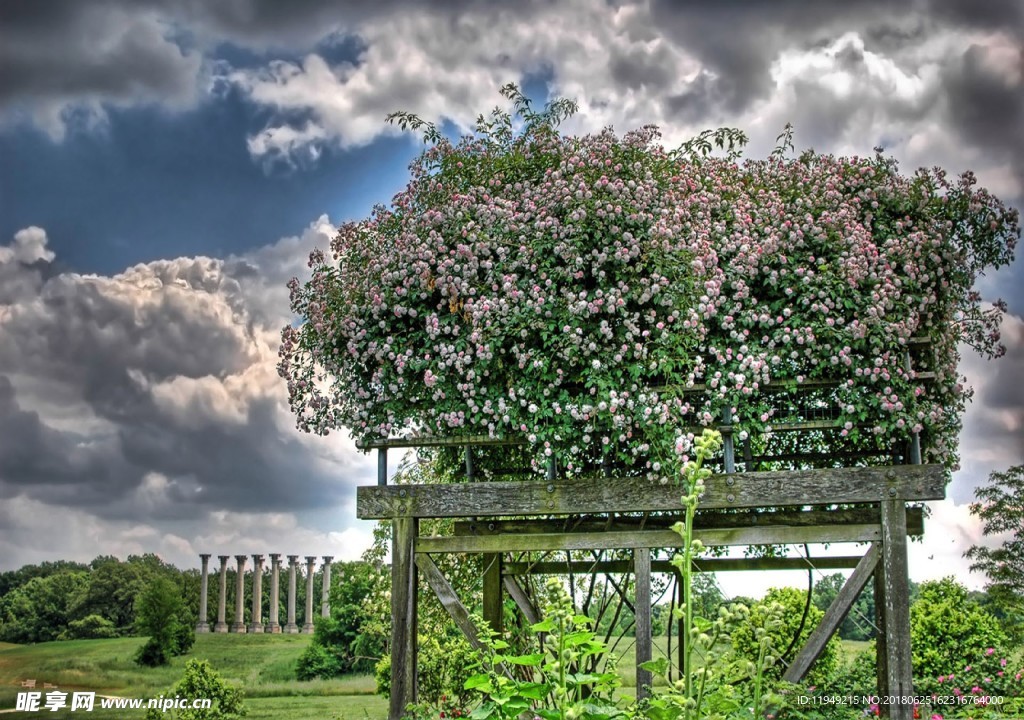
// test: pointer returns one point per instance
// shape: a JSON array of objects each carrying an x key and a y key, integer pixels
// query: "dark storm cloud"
[
  {"x": 173, "y": 385},
  {"x": 738, "y": 41},
  {"x": 985, "y": 104}
]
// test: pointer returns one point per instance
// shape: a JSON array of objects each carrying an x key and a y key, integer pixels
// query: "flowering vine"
[{"x": 573, "y": 291}]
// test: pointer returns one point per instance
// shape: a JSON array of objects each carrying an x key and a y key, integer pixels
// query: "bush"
[
  {"x": 745, "y": 642},
  {"x": 947, "y": 630},
  {"x": 202, "y": 681},
  {"x": 444, "y": 666}
]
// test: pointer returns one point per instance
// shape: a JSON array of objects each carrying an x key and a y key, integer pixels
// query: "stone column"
[
  {"x": 291, "y": 627},
  {"x": 325, "y": 599},
  {"x": 238, "y": 625},
  {"x": 222, "y": 625},
  {"x": 275, "y": 592},
  {"x": 310, "y": 562},
  {"x": 203, "y": 626},
  {"x": 256, "y": 621}
]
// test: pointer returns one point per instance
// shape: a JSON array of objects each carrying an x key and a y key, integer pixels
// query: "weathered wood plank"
[
  {"x": 648, "y": 538},
  {"x": 843, "y": 562},
  {"x": 449, "y": 599},
  {"x": 642, "y": 614},
  {"x": 403, "y": 616},
  {"x": 494, "y": 609},
  {"x": 915, "y": 521},
  {"x": 897, "y": 607},
  {"x": 641, "y": 494},
  {"x": 522, "y": 600},
  {"x": 834, "y": 617},
  {"x": 438, "y": 441},
  {"x": 881, "y": 652}
]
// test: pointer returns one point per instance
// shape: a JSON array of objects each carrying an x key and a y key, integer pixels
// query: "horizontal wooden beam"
[
  {"x": 640, "y": 494},
  {"x": 607, "y": 540},
  {"x": 438, "y": 441},
  {"x": 583, "y": 567},
  {"x": 714, "y": 519}
]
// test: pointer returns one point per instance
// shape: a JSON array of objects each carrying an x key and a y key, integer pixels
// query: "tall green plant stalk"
[{"x": 693, "y": 476}]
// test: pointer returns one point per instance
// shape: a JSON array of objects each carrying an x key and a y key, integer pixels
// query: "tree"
[
  {"x": 39, "y": 610},
  {"x": 859, "y": 623},
  {"x": 1000, "y": 506},
  {"x": 341, "y": 643},
  {"x": 158, "y": 614}
]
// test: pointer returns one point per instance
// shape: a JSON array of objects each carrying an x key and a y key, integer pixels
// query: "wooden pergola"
[{"x": 496, "y": 518}]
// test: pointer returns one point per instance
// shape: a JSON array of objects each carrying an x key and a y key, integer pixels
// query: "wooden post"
[
  {"x": 403, "y": 616},
  {"x": 897, "y": 607},
  {"x": 642, "y": 610},
  {"x": 493, "y": 601},
  {"x": 728, "y": 443},
  {"x": 382, "y": 466},
  {"x": 881, "y": 651}
]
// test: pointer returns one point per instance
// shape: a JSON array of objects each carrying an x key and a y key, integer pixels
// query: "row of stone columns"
[{"x": 256, "y": 625}]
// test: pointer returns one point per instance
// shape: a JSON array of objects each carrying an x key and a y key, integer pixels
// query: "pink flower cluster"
[{"x": 574, "y": 290}]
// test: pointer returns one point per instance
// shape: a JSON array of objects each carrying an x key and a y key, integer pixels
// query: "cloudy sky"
[{"x": 166, "y": 166}]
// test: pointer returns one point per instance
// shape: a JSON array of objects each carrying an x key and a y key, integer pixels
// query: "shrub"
[
  {"x": 202, "y": 681},
  {"x": 793, "y": 601},
  {"x": 947, "y": 630},
  {"x": 91, "y": 627}
]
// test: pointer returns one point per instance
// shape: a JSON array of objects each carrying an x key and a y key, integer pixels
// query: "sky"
[{"x": 167, "y": 166}]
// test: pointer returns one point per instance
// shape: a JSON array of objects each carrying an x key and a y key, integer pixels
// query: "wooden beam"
[
  {"x": 641, "y": 494},
  {"x": 642, "y": 613},
  {"x": 648, "y": 538},
  {"x": 522, "y": 600},
  {"x": 834, "y": 616},
  {"x": 403, "y": 616},
  {"x": 703, "y": 520},
  {"x": 897, "y": 608},
  {"x": 449, "y": 599},
  {"x": 438, "y": 441},
  {"x": 584, "y": 567},
  {"x": 494, "y": 608}
]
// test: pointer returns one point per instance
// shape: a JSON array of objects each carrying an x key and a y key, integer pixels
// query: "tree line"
[{"x": 65, "y": 600}]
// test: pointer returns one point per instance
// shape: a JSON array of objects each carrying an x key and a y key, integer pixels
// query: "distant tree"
[
  {"x": 16, "y": 578},
  {"x": 860, "y": 622},
  {"x": 91, "y": 627},
  {"x": 341, "y": 643},
  {"x": 1000, "y": 506},
  {"x": 39, "y": 610},
  {"x": 158, "y": 615}
]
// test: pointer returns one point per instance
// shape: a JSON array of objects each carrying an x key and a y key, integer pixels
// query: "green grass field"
[{"x": 261, "y": 664}]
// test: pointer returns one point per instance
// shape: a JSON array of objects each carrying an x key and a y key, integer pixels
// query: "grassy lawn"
[{"x": 261, "y": 664}]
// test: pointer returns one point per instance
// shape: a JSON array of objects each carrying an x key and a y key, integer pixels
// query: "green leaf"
[
  {"x": 544, "y": 626},
  {"x": 658, "y": 666},
  {"x": 482, "y": 712},
  {"x": 481, "y": 682},
  {"x": 533, "y": 660}
]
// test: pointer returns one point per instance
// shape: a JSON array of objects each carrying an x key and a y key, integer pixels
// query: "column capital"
[
  {"x": 328, "y": 558},
  {"x": 274, "y": 557},
  {"x": 241, "y": 558},
  {"x": 293, "y": 559},
  {"x": 311, "y": 559},
  {"x": 205, "y": 557},
  {"x": 224, "y": 559},
  {"x": 257, "y": 558}
]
